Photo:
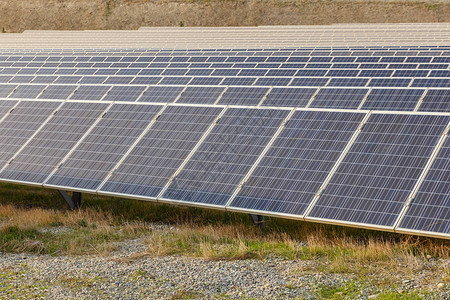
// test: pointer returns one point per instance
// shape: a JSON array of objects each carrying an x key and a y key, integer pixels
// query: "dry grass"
[{"x": 19, "y": 15}]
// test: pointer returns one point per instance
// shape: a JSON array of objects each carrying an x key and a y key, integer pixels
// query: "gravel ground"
[{"x": 142, "y": 277}]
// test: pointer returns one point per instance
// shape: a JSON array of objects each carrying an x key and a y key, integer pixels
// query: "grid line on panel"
[
  {"x": 151, "y": 163},
  {"x": 90, "y": 162},
  {"x": 427, "y": 208},
  {"x": 380, "y": 169},
  {"x": 54, "y": 140}
]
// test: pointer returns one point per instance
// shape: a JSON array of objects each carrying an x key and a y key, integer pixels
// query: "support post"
[
  {"x": 74, "y": 202},
  {"x": 258, "y": 220}
]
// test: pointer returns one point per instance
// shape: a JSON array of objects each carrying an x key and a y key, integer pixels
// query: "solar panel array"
[{"x": 345, "y": 135}]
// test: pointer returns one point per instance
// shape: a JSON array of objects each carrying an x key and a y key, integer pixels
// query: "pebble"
[{"x": 98, "y": 277}]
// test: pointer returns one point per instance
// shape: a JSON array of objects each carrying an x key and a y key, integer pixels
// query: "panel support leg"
[
  {"x": 74, "y": 202},
  {"x": 258, "y": 220}
]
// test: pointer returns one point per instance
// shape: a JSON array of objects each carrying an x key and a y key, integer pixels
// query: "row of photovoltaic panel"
[
  {"x": 237, "y": 81},
  {"x": 77, "y": 145},
  {"x": 374, "y": 81},
  {"x": 406, "y": 99}
]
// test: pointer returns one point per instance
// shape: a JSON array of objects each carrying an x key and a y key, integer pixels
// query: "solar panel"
[
  {"x": 104, "y": 146},
  {"x": 201, "y": 95},
  {"x": 53, "y": 142},
  {"x": 225, "y": 157},
  {"x": 339, "y": 98},
  {"x": 5, "y": 90},
  {"x": 243, "y": 96},
  {"x": 309, "y": 81},
  {"x": 61, "y": 92},
  {"x": 348, "y": 82},
  {"x": 289, "y": 97},
  {"x": 27, "y": 91},
  {"x": 161, "y": 94},
  {"x": 392, "y": 99},
  {"x": 389, "y": 82},
  {"x": 149, "y": 166},
  {"x": 379, "y": 171},
  {"x": 429, "y": 210},
  {"x": 124, "y": 93},
  {"x": 5, "y": 107},
  {"x": 44, "y": 79},
  {"x": 90, "y": 92},
  {"x": 291, "y": 172},
  {"x": 20, "y": 125},
  {"x": 273, "y": 81},
  {"x": 436, "y": 100}
]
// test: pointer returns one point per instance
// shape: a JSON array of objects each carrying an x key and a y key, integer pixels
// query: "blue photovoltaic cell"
[
  {"x": 5, "y": 90},
  {"x": 124, "y": 93},
  {"x": 339, "y": 98},
  {"x": 53, "y": 142},
  {"x": 430, "y": 209},
  {"x": 21, "y": 124},
  {"x": 175, "y": 80},
  {"x": 431, "y": 82},
  {"x": 380, "y": 170},
  {"x": 273, "y": 81},
  {"x": 389, "y": 82},
  {"x": 392, "y": 99},
  {"x": 5, "y": 107},
  {"x": 119, "y": 80},
  {"x": 289, "y": 97},
  {"x": 206, "y": 81},
  {"x": 90, "y": 92},
  {"x": 104, "y": 146},
  {"x": 411, "y": 73},
  {"x": 349, "y": 82},
  {"x": 224, "y": 158},
  {"x": 238, "y": 81},
  {"x": 146, "y": 80},
  {"x": 149, "y": 166},
  {"x": 200, "y": 95},
  {"x": 436, "y": 100},
  {"x": 375, "y": 73},
  {"x": 44, "y": 79},
  {"x": 161, "y": 94},
  {"x": 27, "y": 91},
  {"x": 297, "y": 163},
  {"x": 309, "y": 81},
  {"x": 243, "y": 96},
  {"x": 312, "y": 73},
  {"x": 61, "y": 92}
]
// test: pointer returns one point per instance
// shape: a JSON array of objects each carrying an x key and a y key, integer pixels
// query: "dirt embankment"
[{"x": 19, "y": 15}]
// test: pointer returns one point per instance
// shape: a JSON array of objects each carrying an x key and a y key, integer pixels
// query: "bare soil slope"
[{"x": 19, "y": 15}]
